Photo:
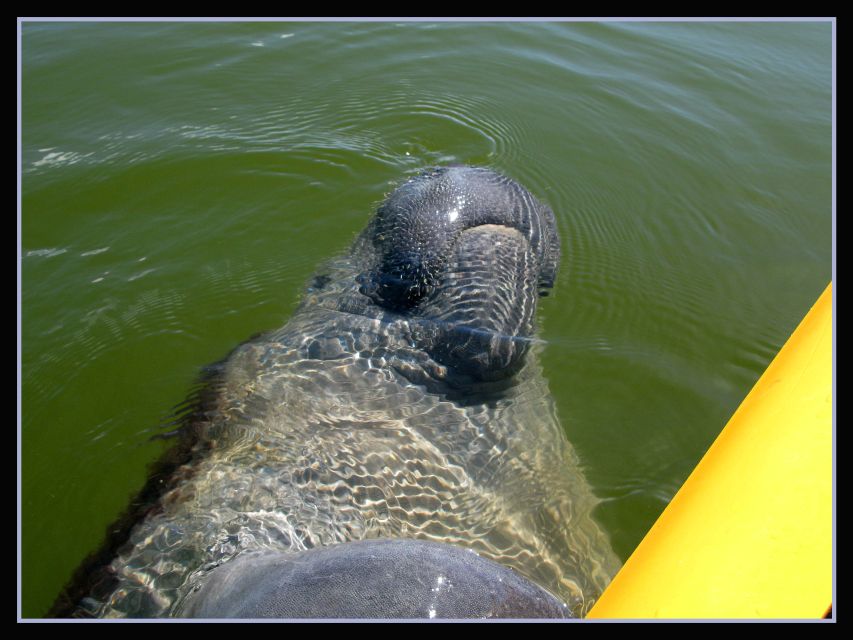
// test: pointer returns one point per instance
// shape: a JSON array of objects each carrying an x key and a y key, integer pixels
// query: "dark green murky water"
[{"x": 180, "y": 183}]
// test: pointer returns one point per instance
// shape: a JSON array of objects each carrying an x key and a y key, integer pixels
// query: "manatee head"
[
  {"x": 465, "y": 251},
  {"x": 415, "y": 231}
]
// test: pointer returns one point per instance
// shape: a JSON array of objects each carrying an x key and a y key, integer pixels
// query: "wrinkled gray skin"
[{"x": 402, "y": 401}]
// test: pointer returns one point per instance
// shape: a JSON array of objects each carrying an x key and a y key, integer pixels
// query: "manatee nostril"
[
  {"x": 395, "y": 291},
  {"x": 401, "y": 283}
]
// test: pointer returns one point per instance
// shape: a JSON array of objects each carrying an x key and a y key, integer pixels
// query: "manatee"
[
  {"x": 393, "y": 451},
  {"x": 402, "y": 578}
]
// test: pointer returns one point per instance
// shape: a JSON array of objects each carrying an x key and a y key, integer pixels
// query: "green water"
[{"x": 180, "y": 183}]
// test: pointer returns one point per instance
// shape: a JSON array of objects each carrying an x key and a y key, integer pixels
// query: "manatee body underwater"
[{"x": 392, "y": 452}]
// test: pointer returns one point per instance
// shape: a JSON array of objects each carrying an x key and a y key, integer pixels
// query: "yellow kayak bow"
[{"x": 749, "y": 534}]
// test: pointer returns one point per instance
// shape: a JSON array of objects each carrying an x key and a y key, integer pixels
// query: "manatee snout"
[
  {"x": 415, "y": 229},
  {"x": 466, "y": 252}
]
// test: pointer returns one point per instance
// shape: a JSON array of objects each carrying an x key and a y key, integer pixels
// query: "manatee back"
[{"x": 370, "y": 579}]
